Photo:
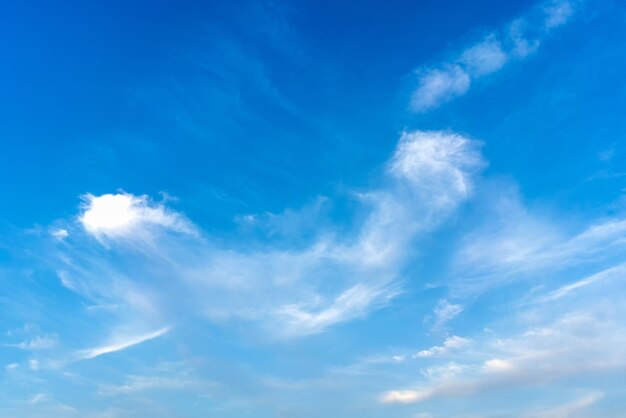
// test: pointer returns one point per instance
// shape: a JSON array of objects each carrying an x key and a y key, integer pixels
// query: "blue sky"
[{"x": 296, "y": 209}]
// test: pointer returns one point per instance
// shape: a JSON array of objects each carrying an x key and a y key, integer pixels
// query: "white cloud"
[
  {"x": 573, "y": 344},
  {"x": 438, "y": 164},
  {"x": 497, "y": 365},
  {"x": 335, "y": 278},
  {"x": 485, "y": 57},
  {"x": 445, "y": 371},
  {"x": 441, "y": 83},
  {"x": 126, "y": 215},
  {"x": 572, "y": 408},
  {"x": 450, "y": 344},
  {"x": 121, "y": 344},
  {"x": 405, "y": 396},
  {"x": 138, "y": 383},
  {"x": 514, "y": 243},
  {"x": 41, "y": 342},
  {"x": 557, "y": 13},
  {"x": 445, "y": 312},
  {"x": 616, "y": 271},
  {"x": 521, "y": 45},
  {"x": 38, "y": 398},
  {"x": 60, "y": 233},
  {"x": 352, "y": 303}
]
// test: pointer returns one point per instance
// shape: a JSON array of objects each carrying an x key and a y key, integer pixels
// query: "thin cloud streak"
[{"x": 94, "y": 352}]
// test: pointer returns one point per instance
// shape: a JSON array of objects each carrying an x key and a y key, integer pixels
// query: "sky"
[{"x": 272, "y": 209}]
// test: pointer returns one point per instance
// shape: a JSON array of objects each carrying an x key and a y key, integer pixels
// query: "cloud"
[
  {"x": 334, "y": 278},
  {"x": 138, "y": 383},
  {"x": 446, "y": 81},
  {"x": 574, "y": 343},
  {"x": 572, "y": 408},
  {"x": 60, "y": 233},
  {"x": 445, "y": 312},
  {"x": 450, "y": 344},
  {"x": 485, "y": 57},
  {"x": 613, "y": 272},
  {"x": 42, "y": 342},
  {"x": 439, "y": 85},
  {"x": 120, "y": 344},
  {"x": 38, "y": 398},
  {"x": 514, "y": 243},
  {"x": 557, "y": 13},
  {"x": 438, "y": 164},
  {"x": 352, "y": 303},
  {"x": 125, "y": 215},
  {"x": 405, "y": 396}
]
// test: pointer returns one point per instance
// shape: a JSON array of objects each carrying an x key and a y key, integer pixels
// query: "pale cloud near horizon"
[
  {"x": 571, "y": 345},
  {"x": 445, "y": 81},
  {"x": 568, "y": 409},
  {"x": 559, "y": 330},
  {"x": 564, "y": 333}
]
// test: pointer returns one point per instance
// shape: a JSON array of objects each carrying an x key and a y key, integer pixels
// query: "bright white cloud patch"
[
  {"x": 124, "y": 215},
  {"x": 405, "y": 396}
]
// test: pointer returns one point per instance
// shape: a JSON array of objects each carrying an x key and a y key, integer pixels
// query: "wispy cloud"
[
  {"x": 40, "y": 342},
  {"x": 516, "y": 243},
  {"x": 444, "y": 312},
  {"x": 571, "y": 408},
  {"x": 429, "y": 175},
  {"x": 451, "y": 343},
  {"x": 618, "y": 271},
  {"x": 120, "y": 344},
  {"x": 353, "y": 303},
  {"x": 447, "y": 80},
  {"x": 138, "y": 383},
  {"x": 439, "y": 85},
  {"x": 559, "y": 342}
]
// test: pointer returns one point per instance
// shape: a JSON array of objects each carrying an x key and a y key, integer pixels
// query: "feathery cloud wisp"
[
  {"x": 429, "y": 175},
  {"x": 121, "y": 344},
  {"x": 448, "y": 80}
]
